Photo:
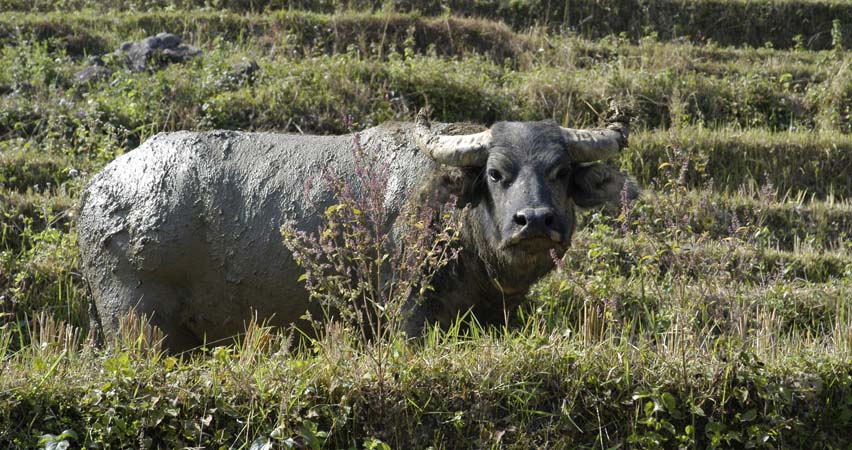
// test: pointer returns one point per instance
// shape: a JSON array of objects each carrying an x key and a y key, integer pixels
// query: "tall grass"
[
  {"x": 711, "y": 313},
  {"x": 779, "y": 23},
  {"x": 676, "y": 382}
]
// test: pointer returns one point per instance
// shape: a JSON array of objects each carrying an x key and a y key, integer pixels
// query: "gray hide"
[{"x": 185, "y": 228}]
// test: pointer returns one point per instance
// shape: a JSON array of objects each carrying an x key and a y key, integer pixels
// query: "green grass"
[
  {"x": 780, "y": 23},
  {"x": 522, "y": 390},
  {"x": 782, "y": 223},
  {"x": 712, "y": 313},
  {"x": 393, "y": 64},
  {"x": 795, "y": 164}
]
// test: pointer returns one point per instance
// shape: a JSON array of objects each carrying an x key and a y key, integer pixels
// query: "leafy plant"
[
  {"x": 365, "y": 265},
  {"x": 713, "y": 312},
  {"x": 58, "y": 442}
]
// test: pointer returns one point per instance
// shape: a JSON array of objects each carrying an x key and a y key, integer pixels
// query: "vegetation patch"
[
  {"x": 797, "y": 164},
  {"x": 80, "y": 34},
  {"x": 450, "y": 391},
  {"x": 712, "y": 312},
  {"x": 781, "y": 24}
]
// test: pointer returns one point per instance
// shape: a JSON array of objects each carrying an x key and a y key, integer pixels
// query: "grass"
[
  {"x": 796, "y": 164},
  {"x": 526, "y": 389},
  {"x": 711, "y": 313},
  {"x": 779, "y": 23},
  {"x": 394, "y": 64}
]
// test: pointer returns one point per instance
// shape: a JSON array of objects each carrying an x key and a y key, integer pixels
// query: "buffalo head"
[{"x": 523, "y": 181}]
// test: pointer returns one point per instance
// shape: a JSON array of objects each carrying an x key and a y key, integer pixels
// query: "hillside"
[{"x": 713, "y": 312}]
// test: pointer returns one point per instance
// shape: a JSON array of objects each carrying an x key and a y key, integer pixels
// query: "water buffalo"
[{"x": 185, "y": 228}]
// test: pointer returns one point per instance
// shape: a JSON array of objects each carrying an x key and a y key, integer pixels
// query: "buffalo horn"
[
  {"x": 468, "y": 150},
  {"x": 595, "y": 145}
]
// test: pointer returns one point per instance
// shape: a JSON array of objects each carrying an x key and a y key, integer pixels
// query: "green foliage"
[
  {"x": 711, "y": 313},
  {"x": 769, "y": 21},
  {"x": 796, "y": 164},
  {"x": 459, "y": 67},
  {"x": 364, "y": 269},
  {"x": 557, "y": 392}
]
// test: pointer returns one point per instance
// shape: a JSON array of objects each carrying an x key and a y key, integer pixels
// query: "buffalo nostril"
[{"x": 541, "y": 219}]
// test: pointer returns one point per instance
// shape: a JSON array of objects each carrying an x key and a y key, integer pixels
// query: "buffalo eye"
[
  {"x": 560, "y": 173},
  {"x": 495, "y": 176}
]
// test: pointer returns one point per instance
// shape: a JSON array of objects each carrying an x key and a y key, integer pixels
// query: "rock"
[
  {"x": 159, "y": 50},
  {"x": 180, "y": 53},
  {"x": 94, "y": 72},
  {"x": 166, "y": 40},
  {"x": 242, "y": 73}
]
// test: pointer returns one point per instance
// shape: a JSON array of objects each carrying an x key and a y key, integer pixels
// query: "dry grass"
[{"x": 712, "y": 313}]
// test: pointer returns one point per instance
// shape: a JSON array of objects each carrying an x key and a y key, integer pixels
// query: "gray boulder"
[
  {"x": 243, "y": 73},
  {"x": 94, "y": 72},
  {"x": 156, "y": 51}
]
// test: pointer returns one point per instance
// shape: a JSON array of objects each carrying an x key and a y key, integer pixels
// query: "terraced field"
[{"x": 713, "y": 312}]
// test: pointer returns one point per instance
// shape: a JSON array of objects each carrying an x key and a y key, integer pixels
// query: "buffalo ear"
[
  {"x": 461, "y": 183},
  {"x": 451, "y": 183},
  {"x": 598, "y": 184}
]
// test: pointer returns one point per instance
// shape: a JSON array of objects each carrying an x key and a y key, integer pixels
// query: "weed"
[
  {"x": 367, "y": 268},
  {"x": 712, "y": 312},
  {"x": 364, "y": 266}
]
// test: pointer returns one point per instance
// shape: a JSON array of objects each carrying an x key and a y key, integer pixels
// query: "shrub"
[{"x": 364, "y": 267}]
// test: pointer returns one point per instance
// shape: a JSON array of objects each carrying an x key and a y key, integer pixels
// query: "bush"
[{"x": 366, "y": 266}]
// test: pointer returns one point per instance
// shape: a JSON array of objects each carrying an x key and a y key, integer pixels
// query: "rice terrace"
[{"x": 702, "y": 301}]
